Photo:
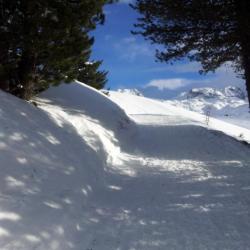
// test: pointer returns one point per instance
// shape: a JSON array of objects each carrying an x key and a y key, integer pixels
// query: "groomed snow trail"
[{"x": 160, "y": 182}]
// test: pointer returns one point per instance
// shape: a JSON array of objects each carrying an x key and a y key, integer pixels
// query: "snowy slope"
[
  {"x": 51, "y": 164},
  {"x": 228, "y": 104},
  {"x": 45, "y": 168},
  {"x": 78, "y": 173},
  {"x": 172, "y": 110}
]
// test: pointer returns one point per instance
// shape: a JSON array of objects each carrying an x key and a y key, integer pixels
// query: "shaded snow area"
[
  {"x": 85, "y": 171},
  {"x": 229, "y": 104}
]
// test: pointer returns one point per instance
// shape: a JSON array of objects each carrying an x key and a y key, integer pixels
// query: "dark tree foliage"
[
  {"x": 43, "y": 42},
  {"x": 90, "y": 75},
  {"x": 209, "y": 31}
]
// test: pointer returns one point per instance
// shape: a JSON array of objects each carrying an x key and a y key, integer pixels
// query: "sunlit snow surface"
[
  {"x": 86, "y": 171},
  {"x": 229, "y": 104}
]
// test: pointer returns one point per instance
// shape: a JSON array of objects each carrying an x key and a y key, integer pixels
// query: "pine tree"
[
  {"x": 90, "y": 75},
  {"x": 211, "y": 32},
  {"x": 43, "y": 42}
]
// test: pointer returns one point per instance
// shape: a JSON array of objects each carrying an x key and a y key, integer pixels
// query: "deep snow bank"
[
  {"x": 52, "y": 160},
  {"x": 46, "y": 172},
  {"x": 77, "y": 96}
]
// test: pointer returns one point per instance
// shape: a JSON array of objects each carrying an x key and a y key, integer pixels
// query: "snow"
[
  {"x": 86, "y": 171},
  {"x": 165, "y": 111},
  {"x": 228, "y": 104},
  {"x": 130, "y": 91}
]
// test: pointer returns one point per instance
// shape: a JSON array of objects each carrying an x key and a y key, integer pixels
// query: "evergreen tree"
[
  {"x": 211, "y": 32},
  {"x": 90, "y": 75},
  {"x": 43, "y": 42}
]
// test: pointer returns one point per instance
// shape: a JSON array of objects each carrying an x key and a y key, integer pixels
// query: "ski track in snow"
[{"x": 100, "y": 181}]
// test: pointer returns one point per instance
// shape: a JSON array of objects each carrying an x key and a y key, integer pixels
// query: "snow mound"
[
  {"x": 78, "y": 97},
  {"x": 47, "y": 170},
  {"x": 52, "y": 161}
]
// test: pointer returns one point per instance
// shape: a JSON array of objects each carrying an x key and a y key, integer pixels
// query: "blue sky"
[{"x": 131, "y": 62}]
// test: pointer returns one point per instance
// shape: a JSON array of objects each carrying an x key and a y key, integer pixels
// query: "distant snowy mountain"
[
  {"x": 228, "y": 104},
  {"x": 226, "y": 93},
  {"x": 130, "y": 91}
]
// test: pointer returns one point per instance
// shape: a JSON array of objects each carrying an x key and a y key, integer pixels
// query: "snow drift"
[{"x": 50, "y": 164}]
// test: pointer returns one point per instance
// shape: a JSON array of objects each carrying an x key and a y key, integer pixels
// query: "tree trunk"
[
  {"x": 26, "y": 67},
  {"x": 25, "y": 75},
  {"x": 246, "y": 64},
  {"x": 4, "y": 83},
  {"x": 243, "y": 19}
]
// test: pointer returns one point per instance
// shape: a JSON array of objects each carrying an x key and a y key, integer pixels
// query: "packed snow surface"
[{"x": 89, "y": 172}]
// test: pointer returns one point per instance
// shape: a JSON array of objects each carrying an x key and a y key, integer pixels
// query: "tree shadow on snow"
[
  {"x": 172, "y": 210},
  {"x": 45, "y": 178}
]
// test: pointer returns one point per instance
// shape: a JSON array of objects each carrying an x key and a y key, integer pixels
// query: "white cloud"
[{"x": 171, "y": 84}]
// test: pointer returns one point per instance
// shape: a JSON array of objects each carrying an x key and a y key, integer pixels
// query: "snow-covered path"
[
  {"x": 188, "y": 188},
  {"x": 80, "y": 175}
]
